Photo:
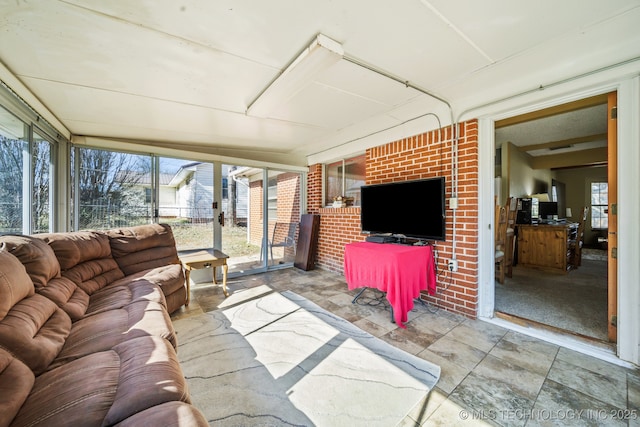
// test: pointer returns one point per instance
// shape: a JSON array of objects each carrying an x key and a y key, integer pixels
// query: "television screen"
[{"x": 409, "y": 208}]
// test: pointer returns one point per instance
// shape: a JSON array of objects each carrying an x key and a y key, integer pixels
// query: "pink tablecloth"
[{"x": 399, "y": 270}]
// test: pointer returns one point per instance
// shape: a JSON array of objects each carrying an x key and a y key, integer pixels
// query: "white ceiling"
[
  {"x": 558, "y": 130},
  {"x": 182, "y": 73}
]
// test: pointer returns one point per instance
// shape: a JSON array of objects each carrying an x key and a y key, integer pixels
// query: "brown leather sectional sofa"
[{"x": 85, "y": 333}]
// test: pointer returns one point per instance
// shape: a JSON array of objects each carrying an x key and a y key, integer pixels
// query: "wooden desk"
[
  {"x": 399, "y": 270},
  {"x": 546, "y": 246},
  {"x": 205, "y": 259}
]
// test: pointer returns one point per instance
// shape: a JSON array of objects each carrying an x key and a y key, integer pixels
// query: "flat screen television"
[{"x": 414, "y": 209}]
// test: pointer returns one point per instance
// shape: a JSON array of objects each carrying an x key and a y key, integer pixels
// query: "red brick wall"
[
  {"x": 288, "y": 206},
  {"x": 314, "y": 189},
  {"x": 422, "y": 156},
  {"x": 288, "y": 197},
  {"x": 338, "y": 226}
]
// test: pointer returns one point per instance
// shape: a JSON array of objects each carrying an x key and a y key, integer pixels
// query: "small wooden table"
[{"x": 205, "y": 259}]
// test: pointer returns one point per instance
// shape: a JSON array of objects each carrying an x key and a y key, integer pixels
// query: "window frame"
[
  {"x": 342, "y": 166},
  {"x": 596, "y": 219}
]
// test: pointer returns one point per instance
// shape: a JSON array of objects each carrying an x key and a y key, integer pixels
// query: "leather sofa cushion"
[
  {"x": 76, "y": 394},
  {"x": 169, "y": 277},
  {"x": 16, "y": 381},
  {"x": 77, "y": 247},
  {"x": 85, "y": 258},
  {"x": 68, "y": 296},
  {"x": 146, "y": 363},
  {"x": 123, "y": 292},
  {"x": 35, "y": 330},
  {"x": 41, "y": 264},
  {"x": 170, "y": 414},
  {"x": 37, "y": 257},
  {"x": 15, "y": 283},
  {"x": 106, "y": 330},
  {"x": 107, "y": 387},
  {"x": 143, "y": 247}
]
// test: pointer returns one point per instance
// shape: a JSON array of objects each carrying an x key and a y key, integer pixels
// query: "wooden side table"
[{"x": 205, "y": 259}]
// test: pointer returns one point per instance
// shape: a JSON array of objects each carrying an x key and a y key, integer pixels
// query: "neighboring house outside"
[{"x": 188, "y": 194}]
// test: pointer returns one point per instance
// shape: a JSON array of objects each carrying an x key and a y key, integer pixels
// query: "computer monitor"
[{"x": 547, "y": 210}]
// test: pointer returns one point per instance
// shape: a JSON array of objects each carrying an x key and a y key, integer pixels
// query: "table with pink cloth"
[{"x": 402, "y": 271}]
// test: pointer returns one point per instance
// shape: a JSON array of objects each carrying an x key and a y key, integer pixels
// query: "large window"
[
  {"x": 344, "y": 178},
  {"x": 25, "y": 178},
  {"x": 111, "y": 189},
  {"x": 599, "y": 205}
]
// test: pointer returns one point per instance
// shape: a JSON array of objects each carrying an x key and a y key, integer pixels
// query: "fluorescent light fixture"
[{"x": 317, "y": 57}]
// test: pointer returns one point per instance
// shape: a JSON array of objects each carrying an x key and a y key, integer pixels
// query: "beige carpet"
[
  {"x": 268, "y": 358},
  {"x": 575, "y": 302}
]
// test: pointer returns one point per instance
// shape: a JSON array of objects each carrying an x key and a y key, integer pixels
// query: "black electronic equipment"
[
  {"x": 548, "y": 210},
  {"x": 523, "y": 215},
  {"x": 377, "y": 238},
  {"x": 405, "y": 208}
]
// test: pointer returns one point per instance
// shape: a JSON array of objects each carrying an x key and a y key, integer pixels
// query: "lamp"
[
  {"x": 318, "y": 56},
  {"x": 567, "y": 213}
]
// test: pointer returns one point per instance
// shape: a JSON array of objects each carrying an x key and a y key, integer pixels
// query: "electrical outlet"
[{"x": 453, "y": 265}]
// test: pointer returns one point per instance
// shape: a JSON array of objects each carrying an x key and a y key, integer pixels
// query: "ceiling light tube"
[{"x": 317, "y": 57}]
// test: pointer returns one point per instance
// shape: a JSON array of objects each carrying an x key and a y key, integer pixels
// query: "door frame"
[{"x": 628, "y": 270}]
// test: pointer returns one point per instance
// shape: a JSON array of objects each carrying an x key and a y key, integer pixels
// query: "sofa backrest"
[
  {"x": 15, "y": 284},
  {"x": 32, "y": 327},
  {"x": 36, "y": 256},
  {"x": 143, "y": 247},
  {"x": 85, "y": 258},
  {"x": 43, "y": 267}
]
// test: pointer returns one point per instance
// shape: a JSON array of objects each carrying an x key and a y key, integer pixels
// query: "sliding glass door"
[
  {"x": 185, "y": 201},
  {"x": 262, "y": 213},
  {"x": 242, "y": 229},
  {"x": 251, "y": 214},
  {"x": 283, "y": 213}
]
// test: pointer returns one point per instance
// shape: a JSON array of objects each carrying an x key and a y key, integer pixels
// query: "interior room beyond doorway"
[{"x": 558, "y": 153}]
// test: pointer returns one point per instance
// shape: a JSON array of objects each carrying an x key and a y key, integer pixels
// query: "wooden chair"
[
  {"x": 512, "y": 210},
  {"x": 575, "y": 246},
  {"x": 501, "y": 242}
]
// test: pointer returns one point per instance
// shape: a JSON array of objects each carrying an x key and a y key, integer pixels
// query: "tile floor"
[{"x": 490, "y": 375}]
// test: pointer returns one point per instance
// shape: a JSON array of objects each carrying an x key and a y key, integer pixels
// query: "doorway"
[{"x": 562, "y": 147}]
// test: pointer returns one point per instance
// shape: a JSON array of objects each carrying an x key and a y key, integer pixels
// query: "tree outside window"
[{"x": 599, "y": 205}]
